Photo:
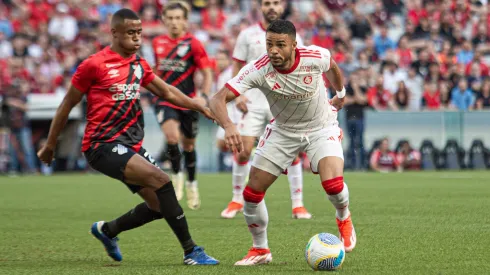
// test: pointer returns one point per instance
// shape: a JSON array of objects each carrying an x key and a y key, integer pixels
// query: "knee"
[
  {"x": 157, "y": 179},
  {"x": 244, "y": 155},
  {"x": 171, "y": 138},
  {"x": 188, "y": 147}
]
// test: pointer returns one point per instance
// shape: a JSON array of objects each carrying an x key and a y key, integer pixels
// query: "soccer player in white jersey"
[
  {"x": 250, "y": 45},
  {"x": 290, "y": 78},
  {"x": 223, "y": 63}
]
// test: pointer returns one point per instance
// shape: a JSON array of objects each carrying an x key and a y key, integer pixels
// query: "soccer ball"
[{"x": 325, "y": 251}]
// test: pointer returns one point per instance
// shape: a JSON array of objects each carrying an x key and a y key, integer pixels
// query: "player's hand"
[
  {"x": 233, "y": 139},
  {"x": 208, "y": 114},
  {"x": 201, "y": 100},
  {"x": 241, "y": 103},
  {"x": 338, "y": 102},
  {"x": 46, "y": 154}
]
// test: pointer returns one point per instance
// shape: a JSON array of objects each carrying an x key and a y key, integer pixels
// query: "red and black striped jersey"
[
  {"x": 176, "y": 62},
  {"x": 112, "y": 86}
]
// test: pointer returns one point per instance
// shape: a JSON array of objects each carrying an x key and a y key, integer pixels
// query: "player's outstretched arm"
[
  {"x": 218, "y": 106},
  {"x": 173, "y": 95},
  {"x": 71, "y": 99}
]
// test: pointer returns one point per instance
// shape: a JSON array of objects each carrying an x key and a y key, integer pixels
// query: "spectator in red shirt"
[
  {"x": 213, "y": 19},
  {"x": 322, "y": 38},
  {"x": 408, "y": 158},
  {"x": 477, "y": 58},
  {"x": 432, "y": 97},
  {"x": 383, "y": 159},
  {"x": 404, "y": 53},
  {"x": 379, "y": 98}
]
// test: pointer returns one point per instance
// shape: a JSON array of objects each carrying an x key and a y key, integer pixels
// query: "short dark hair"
[
  {"x": 225, "y": 52},
  {"x": 119, "y": 16},
  {"x": 280, "y": 26},
  {"x": 177, "y": 5}
]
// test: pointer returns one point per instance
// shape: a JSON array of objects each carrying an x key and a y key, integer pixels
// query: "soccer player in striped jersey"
[
  {"x": 178, "y": 56},
  {"x": 291, "y": 80},
  {"x": 111, "y": 80},
  {"x": 250, "y": 45}
]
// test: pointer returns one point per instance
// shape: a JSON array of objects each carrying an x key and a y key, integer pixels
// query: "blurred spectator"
[
  {"x": 392, "y": 75},
  {"x": 462, "y": 97},
  {"x": 383, "y": 159},
  {"x": 422, "y": 63},
  {"x": 408, "y": 158},
  {"x": 380, "y": 98},
  {"x": 361, "y": 27},
  {"x": 322, "y": 38},
  {"x": 21, "y": 147},
  {"x": 355, "y": 103},
  {"x": 402, "y": 96},
  {"x": 465, "y": 55},
  {"x": 63, "y": 25},
  {"x": 414, "y": 84},
  {"x": 404, "y": 54},
  {"x": 432, "y": 97},
  {"x": 382, "y": 42},
  {"x": 108, "y": 7},
  {"x": 483, "y": 100}
]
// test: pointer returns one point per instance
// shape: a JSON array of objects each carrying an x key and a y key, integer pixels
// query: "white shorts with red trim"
[
  {"x": 254, "y": 121},
  {"x": 280, "y": 147}
]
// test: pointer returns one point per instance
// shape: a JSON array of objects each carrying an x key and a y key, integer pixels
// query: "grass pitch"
[{"x": 409, "y": 223}]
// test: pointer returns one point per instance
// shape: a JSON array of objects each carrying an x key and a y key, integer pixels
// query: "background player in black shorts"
[
  {"x": 178, "y": 56},
  {"x": 111, "y": 79}
]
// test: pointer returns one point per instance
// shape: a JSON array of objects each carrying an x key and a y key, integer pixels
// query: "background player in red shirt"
[
  {"x": 111, "y": 79},
  {"x": 178, "y": 55}
]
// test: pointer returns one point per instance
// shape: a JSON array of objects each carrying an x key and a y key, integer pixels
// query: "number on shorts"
[{"x": 268, "y": 132}]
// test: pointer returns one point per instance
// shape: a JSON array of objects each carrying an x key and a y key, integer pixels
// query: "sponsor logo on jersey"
[
  {"x": 306, "y": 68},
  {"x": 112, "y": 65},
  {"x": 113, "y": 73},
  {"x": 295, "y": 96},
  {"x": 125, "y": 91},
  {"x": 138, "y": 72},
  {"x": 245, "y": 73}
]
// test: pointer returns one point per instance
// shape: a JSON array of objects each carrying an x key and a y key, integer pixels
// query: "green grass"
[{"x": 410, "y": 223}]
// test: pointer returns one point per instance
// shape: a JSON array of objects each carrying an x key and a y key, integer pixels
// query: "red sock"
[
  {"x": 253, "y": 196},
  {"x": 333, "y": 186}
]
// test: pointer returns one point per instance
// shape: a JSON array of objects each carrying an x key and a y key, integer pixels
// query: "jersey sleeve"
[
  {"x": 148, "y": 74},
  {"x": 325, "y": 60},
  {"x": 246, "y": 79},
  {"x": 299, "y": 40},
  {"x": 200, "y": 56},
  {"x": 240, "y": 51},
  {"x": 85, "y": 75}
]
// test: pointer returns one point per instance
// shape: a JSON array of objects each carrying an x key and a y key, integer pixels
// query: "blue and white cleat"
[
  {"x": 110, "y": 245},
  {"x": 199, "y": 257}
]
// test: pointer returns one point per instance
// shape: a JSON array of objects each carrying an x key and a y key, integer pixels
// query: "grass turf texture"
[{"x": 409, "y": 223}]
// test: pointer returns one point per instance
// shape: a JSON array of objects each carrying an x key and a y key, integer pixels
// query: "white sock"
[
  {"x": 295, "y": 176},
  {"x": 257, "y": 219},
  {"x": 341, "y": 203},
  {"x": 240, "y": 173},
  {"x": 191, "y": 184}
]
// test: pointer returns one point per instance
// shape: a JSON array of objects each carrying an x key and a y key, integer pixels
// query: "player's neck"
[
  {"x": 177, "y": 36},
  {"x": 120, "y": 51}
]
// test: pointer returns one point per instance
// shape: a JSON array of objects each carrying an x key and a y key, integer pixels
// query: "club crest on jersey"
[
  {"x": 182, "y": 50},
  {"x": 308, "y": 79},
  {"x": 160, "y": 50},
  {"x": 137, "y": 71}
]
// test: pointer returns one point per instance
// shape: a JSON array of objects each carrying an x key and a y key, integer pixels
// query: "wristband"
[{"x": 341, "y": 94}]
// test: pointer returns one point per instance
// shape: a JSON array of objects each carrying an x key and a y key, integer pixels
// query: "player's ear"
[
  {"x": 114, "y": 32},
  {"x": 295, "y": 44}
]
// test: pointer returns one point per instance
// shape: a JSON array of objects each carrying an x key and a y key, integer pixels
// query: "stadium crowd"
[{"x": 396, "y": 55}]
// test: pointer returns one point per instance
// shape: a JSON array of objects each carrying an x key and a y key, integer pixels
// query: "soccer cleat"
[
  {"x": 110, "y": 245},
  {"x": 347, "y": 233},
  {"x": 199, "y": 257},
  {"x": 301, "y": 213},
  {"x": 231, "y": 210},
  {"x": 193, "y": 200},
  {"x": 178, "y": 182},
  {"x": 256, "y": 256}
]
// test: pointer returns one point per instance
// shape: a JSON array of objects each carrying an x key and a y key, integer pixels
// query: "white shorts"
[
  {"x": 254, "y": 121},
  {"x": 278, "y": 148}
]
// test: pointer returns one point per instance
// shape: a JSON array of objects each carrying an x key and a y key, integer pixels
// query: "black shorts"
[
  {"x": 111, "y": 158},
  {"x": 188, "y": 119}
]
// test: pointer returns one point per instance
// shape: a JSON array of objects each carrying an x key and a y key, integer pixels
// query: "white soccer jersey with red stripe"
[
  {"x": 250, "y": 45},
  {"x": 297, "y": 97}
]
